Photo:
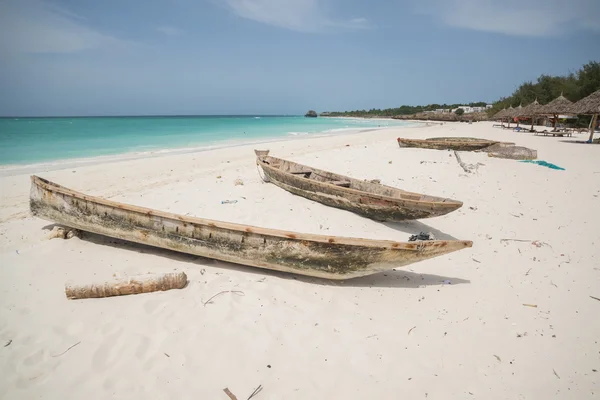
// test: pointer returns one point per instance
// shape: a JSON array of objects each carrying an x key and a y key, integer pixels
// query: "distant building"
[{"x": 469, "y": 109}]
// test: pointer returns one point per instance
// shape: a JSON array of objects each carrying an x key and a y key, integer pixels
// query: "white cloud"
[
  {"x": 36, "y": 26},
  {"x": 516, "y": 17},
  {"x": 170, "y": 30},
  {"x": 296, "y": 15}
]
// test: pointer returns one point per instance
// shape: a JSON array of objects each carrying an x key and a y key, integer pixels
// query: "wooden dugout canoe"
[
  {"x": 451, "y": 143},
  {"x": 369, "y": 199},
  {"x": 305, "y": 254}
]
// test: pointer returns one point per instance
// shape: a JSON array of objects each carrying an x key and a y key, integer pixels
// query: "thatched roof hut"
[
  {"x": 513, "y": 113},
  {"x": 559, "y": 105},
  {"x": 588, "y": 105},
  {"x": 531, "y": 110},
  {"x": 500, "y": 115}
]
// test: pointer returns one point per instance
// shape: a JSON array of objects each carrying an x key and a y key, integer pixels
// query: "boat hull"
[
  {"x": 312, "y": 255},
  {"x": 387, "y": 205},
  {"x": 458, "y": 144}
]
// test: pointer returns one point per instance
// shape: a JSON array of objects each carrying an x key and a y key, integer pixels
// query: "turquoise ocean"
[{"x": 43, "y": 140}]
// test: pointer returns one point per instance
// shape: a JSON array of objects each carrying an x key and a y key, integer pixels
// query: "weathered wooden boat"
[
  {"x": 367, "y": 198},
  {"x": 451, "y": 143},
  {"x": 306, "y": 254}
]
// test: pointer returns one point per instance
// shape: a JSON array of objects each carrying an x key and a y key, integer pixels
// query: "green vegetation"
[
  {"x": 402, "y": 110},
  {"x": 459, "y": 112},
  {"x": 574, "y": 87}
]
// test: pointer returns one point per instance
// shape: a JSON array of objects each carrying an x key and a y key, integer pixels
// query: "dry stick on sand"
[
  {"x": 256, "y": 391},
  {"x": 515, "y": 240},
  {"x": 595, "y": 298},
  {"x": 238, "y": 292},
  {"x": 151, "y": 283},
  {"x": 536, "y": 243},
  {"x": 66, "y": 350}
]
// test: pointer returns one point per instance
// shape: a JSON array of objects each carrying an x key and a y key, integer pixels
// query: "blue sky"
[{"x": 138, "y": 57}]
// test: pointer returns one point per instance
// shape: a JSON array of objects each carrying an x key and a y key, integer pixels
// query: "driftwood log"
[
  {"x": 151, "y": 283},
  {"x": 64, "y": 233}
]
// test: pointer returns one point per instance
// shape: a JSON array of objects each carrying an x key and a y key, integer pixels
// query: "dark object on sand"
[{"x": 421, "y": 236}]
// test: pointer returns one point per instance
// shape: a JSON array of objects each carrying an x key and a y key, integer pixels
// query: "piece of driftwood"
[
  {"x": 145, "y": 284},
  {"x": 62, "y": 232},
  {"x": 322, "y": 256},
  {"x": 468, "y": 168},
  {"x": 229, "y": 394},
  {"x": 370, "y": 198},
  {"x": 530, "y": 305}
]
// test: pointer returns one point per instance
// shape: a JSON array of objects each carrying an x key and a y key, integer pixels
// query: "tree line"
[
  {"x": 574, "y": 86},
  {"x": 546, "y": 88},
  {"x": 402, "y": 110}
]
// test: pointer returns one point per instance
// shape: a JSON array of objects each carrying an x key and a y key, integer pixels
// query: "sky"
[{"x": 179, "y": 57}]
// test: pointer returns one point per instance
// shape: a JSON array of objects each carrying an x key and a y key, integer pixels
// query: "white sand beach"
[{"x": 454, "y": 327}]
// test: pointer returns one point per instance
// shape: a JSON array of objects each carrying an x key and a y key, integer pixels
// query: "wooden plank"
[{"x": 340, "y": 183}]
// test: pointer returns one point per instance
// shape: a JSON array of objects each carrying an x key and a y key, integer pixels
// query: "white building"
[{"x": 469, "y": 109}]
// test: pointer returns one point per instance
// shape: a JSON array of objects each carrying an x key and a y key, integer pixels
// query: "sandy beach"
[{"x": 460, "y": 326}]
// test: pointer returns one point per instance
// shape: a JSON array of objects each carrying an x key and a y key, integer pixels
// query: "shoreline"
[{"x": 17, "y": 169}]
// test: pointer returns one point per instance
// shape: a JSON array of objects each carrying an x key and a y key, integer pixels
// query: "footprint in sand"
[
  {"x": 35, "y": 358},
  {"x": 25, "y": 311},
  {"x": 119, "y": 384},
  {"x": 34, "y": 368},
  {"x": 74, "y": 329},
  {"x": 109, "y": 351},
  {"x": 141, "y": 352},
  {"x": 154, "y": 306},
  {"x": 110, "y": 328}
]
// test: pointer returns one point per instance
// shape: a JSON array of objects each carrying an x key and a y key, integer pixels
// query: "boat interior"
[{"x": 373, "y": 187}]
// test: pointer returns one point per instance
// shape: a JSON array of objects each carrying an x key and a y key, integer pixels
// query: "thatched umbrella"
[
  {"x": 530, "y": 111},
  {"x": 515, "y": 113},
  {"x": 500, "y": 114},
  {"x": 509, "y": 111},
  {"x": 559, "y": 105},
  {"x": 589, "y": 106}
]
